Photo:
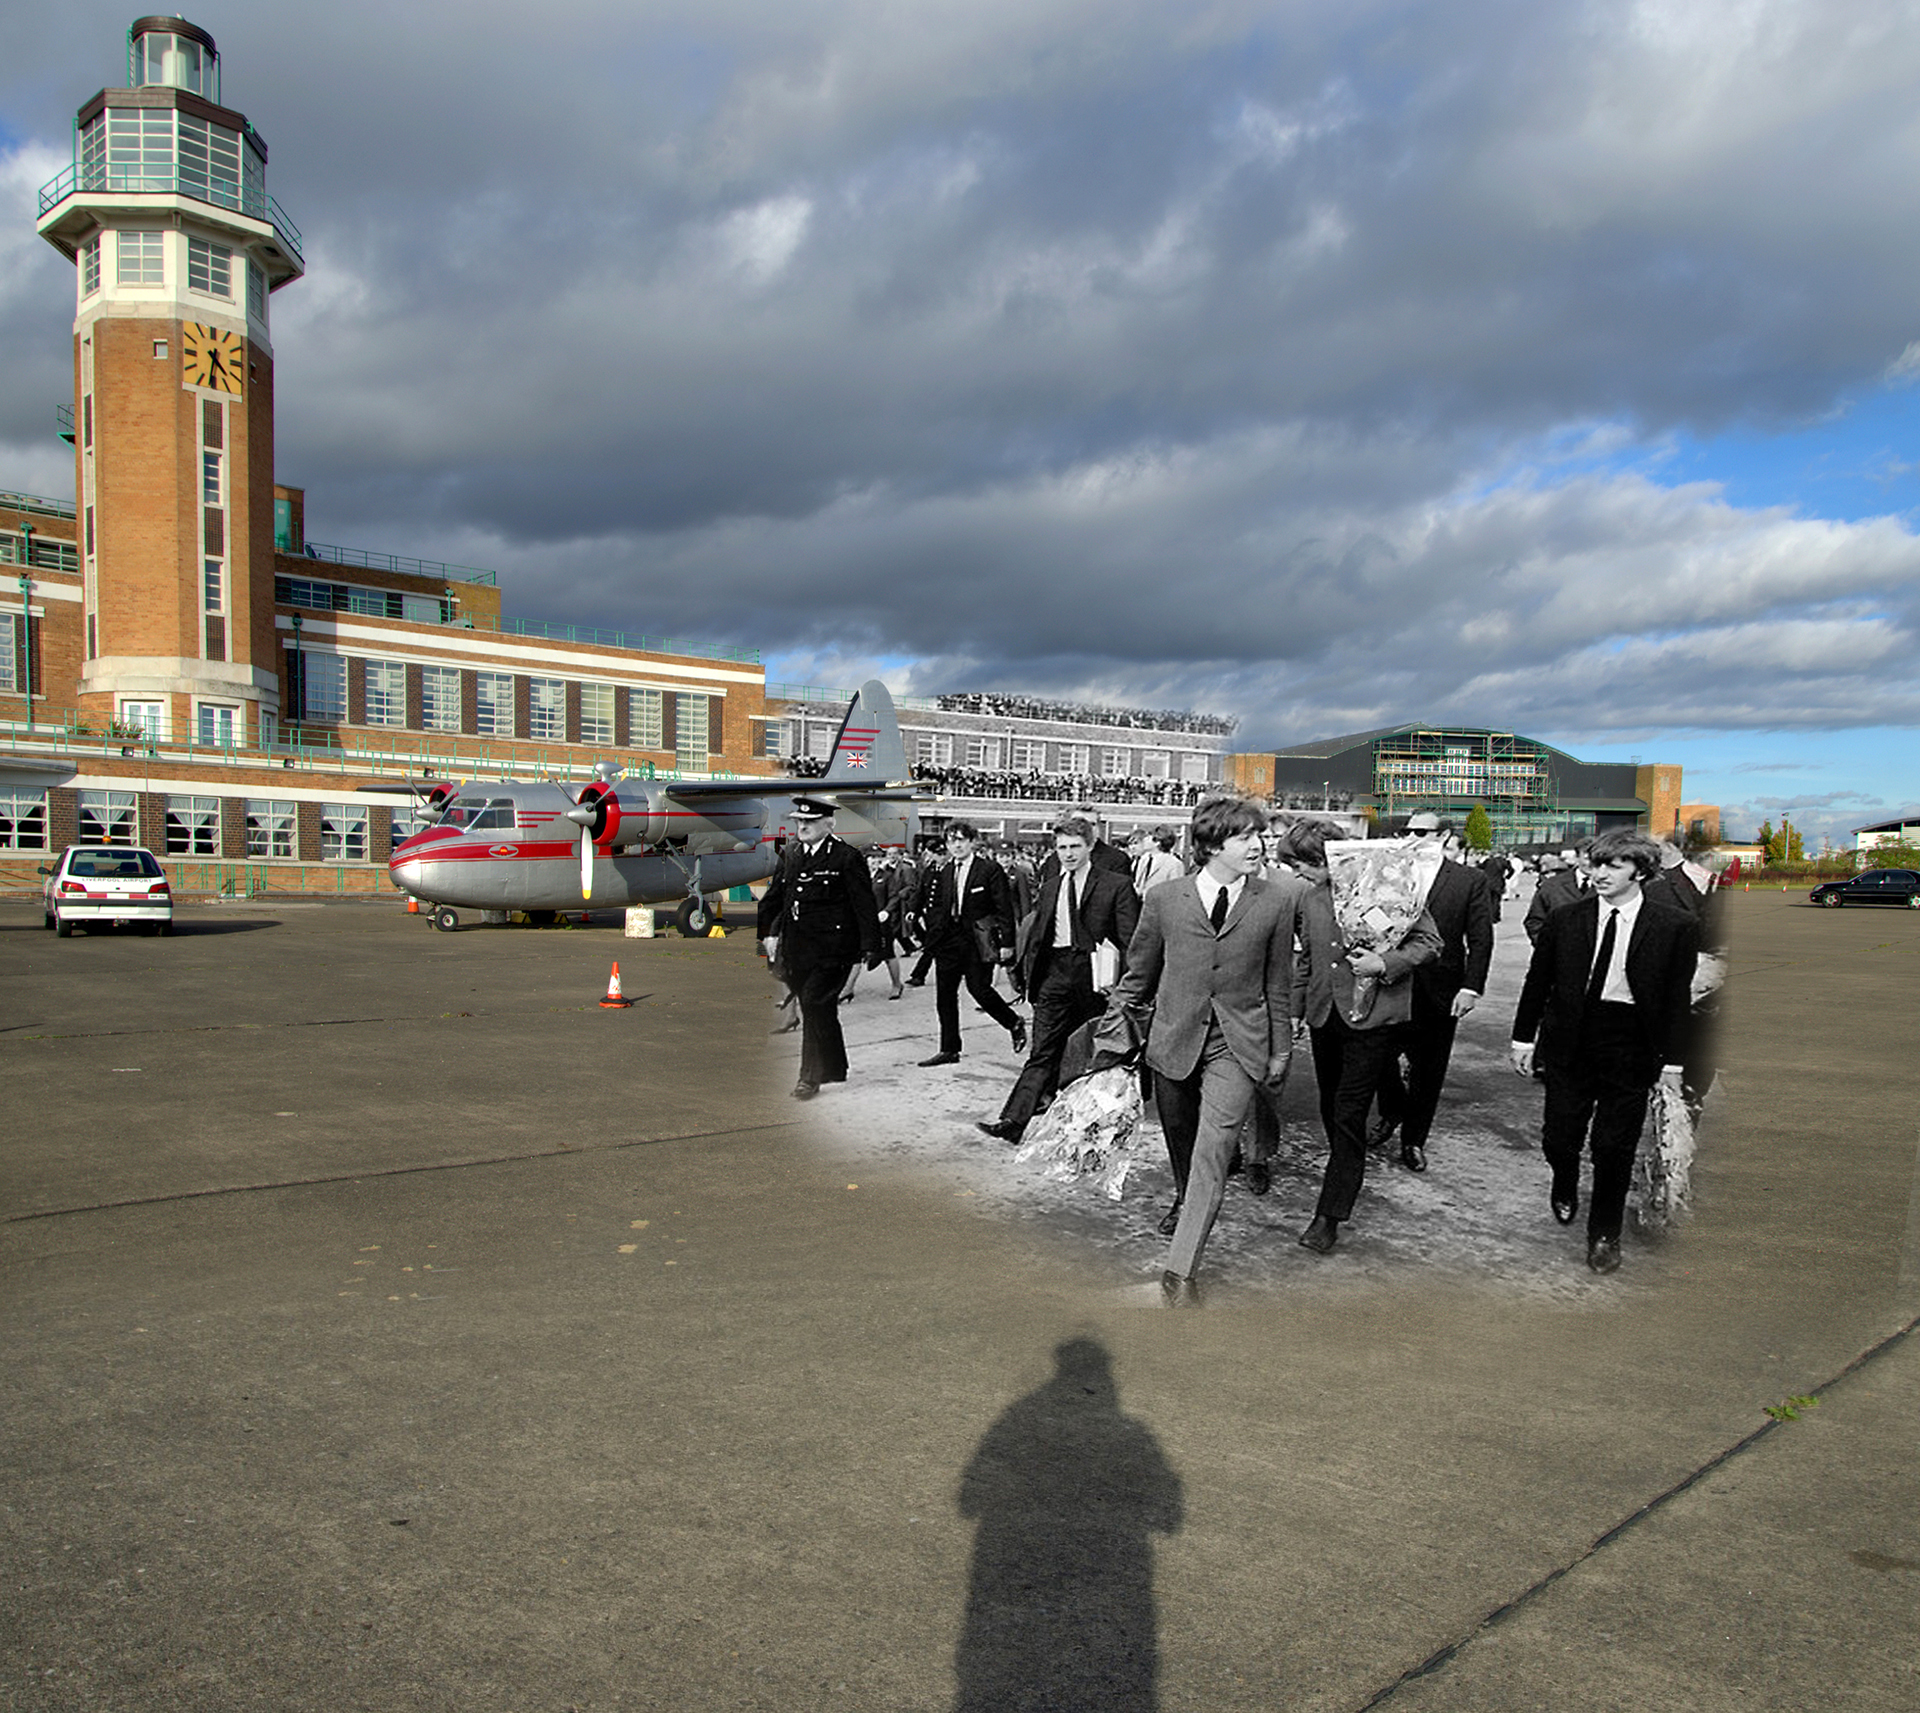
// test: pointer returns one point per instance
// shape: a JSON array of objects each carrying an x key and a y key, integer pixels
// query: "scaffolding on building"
[{"x": 1450, "y": 770}]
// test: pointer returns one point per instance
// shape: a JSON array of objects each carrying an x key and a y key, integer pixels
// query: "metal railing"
[
  {"x": 38, "y": 504},
  {"x": 617, "y": 639},
  {"x": 63, "y": 427},
  {"x": 818, "y": 693},
  {"x": 72, "y": 736},
  {"x": 398, "y": 562},
  {"x": 244, "y": 199}
]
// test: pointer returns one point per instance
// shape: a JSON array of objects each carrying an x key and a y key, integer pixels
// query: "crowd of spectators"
[
  {"x": 1313, "y": 800},
  {"x": 1061, "y": 787},
  {"x": 1085, "y": 714}
]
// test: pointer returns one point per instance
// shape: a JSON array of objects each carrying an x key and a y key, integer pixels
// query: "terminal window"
[
  {"x": 209, "y": 268},
  {"x": 547, "y": 709},
  {"x": 270, "y": 828},
  {"x": 493, "y": 704},
  {"x": 323, "y": 687},
  {"x": 139, "y": 260},
  {"x": 643, "y": 719},
  {"x": 343, "y": 832},
  {"x": 9, "y": 653},
  {"x": 23, "y": 819},
  {"x": 193, "y": 826},
  {"x": 1193, "y": 769},
  {"x": 107, "y": 818},
  {"x": 90, "y": 267},
  {"x": 386, "y": 693},
  {"x": 1029, "y": 757},
  {"x": 596, "y": 714},
  {"x": 440, "y": 698}
]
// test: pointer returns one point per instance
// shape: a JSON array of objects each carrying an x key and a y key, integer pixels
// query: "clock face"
[{"x": 212, "y": 358}]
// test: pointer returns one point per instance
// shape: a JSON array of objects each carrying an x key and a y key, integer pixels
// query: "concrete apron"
[{"x": 665, "y": 1413}]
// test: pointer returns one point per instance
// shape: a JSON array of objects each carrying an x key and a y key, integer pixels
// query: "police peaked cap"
[{"x": 811, "y": 809}]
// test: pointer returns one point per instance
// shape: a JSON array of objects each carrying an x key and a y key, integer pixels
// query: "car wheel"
[
  {"x": 48, "y": 923},
  {"x": 1832, "y": 901},
  {"x": 1913, "y": 901},
  {"x": 446, "y": 920},
  {"x": 162, "y": 929},
  {"x": 693, "y": 918},
  {"x": 61, "y": 926}
]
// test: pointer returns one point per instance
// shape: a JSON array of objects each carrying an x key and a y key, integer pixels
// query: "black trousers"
[
  {"x": 1598, "y": 1102},
  {"x": 1062, "y": 1002},
  {"x": 1349, "y": 1064},
  {"x": 1426, "y": 1043},
  {"x": 823, "y": 1049},
  {"x": 952, "y": 964}
]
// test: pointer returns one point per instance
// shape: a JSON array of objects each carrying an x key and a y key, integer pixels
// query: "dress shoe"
[
  {"x": 916, "y": 981},
  {"x": 1565, "y": 1203},
  {"x": 1382, "y": 1132},
  {"x": 998, "y": 1131},
  {"x": 786, "y": 1028},
  {"x": 1259, "y": 1178},
  {"x": 896, "y": 993},
  {"x": 1413, "y": 1156},
  {"x": 804, "y": 1090},
  {"x": 940, "y": 1059},
  {"x": 1603, "y": 1254},
  {"x": 1170, "y": 1220},
  {"x": 1321, "y": 1234},
  {"x": 1019, "y": 1033}
]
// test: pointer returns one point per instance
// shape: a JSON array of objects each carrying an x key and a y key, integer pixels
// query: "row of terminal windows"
[
  {"x": 140, "y": 259},
  {"x": 192, "y": 825},
  {"x": 323, "y": 698},
  {"x": 48, "y": 555},
  {"x": 320, "y": 597}
]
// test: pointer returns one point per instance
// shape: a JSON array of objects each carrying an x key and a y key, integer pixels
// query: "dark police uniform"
[{"x": 820, "y": 904}]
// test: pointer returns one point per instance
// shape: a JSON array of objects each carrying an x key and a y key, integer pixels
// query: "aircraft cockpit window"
[
  {"x": 498, "y": 813},
  {"x": 462, "y": 810}
]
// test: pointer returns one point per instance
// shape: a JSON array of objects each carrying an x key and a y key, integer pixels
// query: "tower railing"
[{"x": 246, "y": 199}]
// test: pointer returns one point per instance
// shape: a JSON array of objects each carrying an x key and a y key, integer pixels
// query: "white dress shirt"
[{"x": 1615, "y": 991}]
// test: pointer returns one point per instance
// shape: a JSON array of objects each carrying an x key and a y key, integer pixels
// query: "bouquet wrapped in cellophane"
[
  {"x": 1663, "y": 1169},
  {"x": 1380, "y": 887},
  {"x": 1089, "y": 1128}
]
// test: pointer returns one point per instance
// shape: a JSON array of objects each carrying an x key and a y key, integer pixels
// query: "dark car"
[{"x": 1876, "y": 886}]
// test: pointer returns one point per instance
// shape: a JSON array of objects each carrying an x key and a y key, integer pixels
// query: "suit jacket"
[
  {"x": 1329, "y": 978},
  {"x": 1554, "y": 892},
  {"x": 1242, "y": 977},
  {"x": 1462, "y": 911},
  {"x": 989, "y": 900},
  {"x": 1660, "y": 959},
  {"x": 1108, "y": 911},
  {"x": 1104, "y": 856}
]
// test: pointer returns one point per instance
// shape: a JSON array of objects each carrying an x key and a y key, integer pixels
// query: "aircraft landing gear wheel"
[
  {"x": 62, "y": 926},
  {"x": 693, "y": 918},
  {"x": 542, "y": 918},
  {"x": 446, "y": 920}
]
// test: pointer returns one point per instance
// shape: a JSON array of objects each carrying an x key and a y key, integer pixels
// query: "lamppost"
[
  {"x": 26, "y": 618},
  {"x": 296, "y": 688}
]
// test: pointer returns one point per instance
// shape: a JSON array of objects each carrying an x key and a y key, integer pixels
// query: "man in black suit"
[
  {"x": 969, "y": 925},
  {"x": 817, "y": 921},
  {"x": 1606, "y": 995},
  {"x": 1076, "y": 910},
  {"x": 1444, "y": 991},
  {"x": 1559, "y": 886}
]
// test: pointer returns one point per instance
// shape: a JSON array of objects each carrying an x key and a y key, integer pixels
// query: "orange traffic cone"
[
  {"x": 413, "y": 907},
  {"x": 614, "y": 1000}
]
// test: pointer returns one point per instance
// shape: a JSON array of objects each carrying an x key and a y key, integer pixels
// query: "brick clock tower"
[{"x": 176, "y": 247}]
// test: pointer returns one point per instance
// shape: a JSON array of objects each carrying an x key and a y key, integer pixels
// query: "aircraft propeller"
[{"x": 591, "y": 815}]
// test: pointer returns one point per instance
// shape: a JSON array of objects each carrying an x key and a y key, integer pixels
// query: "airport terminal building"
[{"x": 1534, "y": 794}]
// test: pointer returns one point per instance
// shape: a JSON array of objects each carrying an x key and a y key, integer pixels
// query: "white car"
[{"x": 107, "y": 885}]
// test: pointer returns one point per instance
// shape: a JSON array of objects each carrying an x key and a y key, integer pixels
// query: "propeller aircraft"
[{"x": 544, "y": 848}]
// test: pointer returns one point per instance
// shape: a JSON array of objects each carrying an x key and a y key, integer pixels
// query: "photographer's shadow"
[{"x": 1067, "y": 1492}]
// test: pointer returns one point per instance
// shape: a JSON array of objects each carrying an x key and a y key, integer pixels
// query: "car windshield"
[{"x": 114, "y": 865}]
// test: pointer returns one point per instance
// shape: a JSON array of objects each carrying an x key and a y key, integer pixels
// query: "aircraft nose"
[{"x": 579, "y": 817}]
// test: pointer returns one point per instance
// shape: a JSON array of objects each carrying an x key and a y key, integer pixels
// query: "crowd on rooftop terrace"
[{"x": 1010, "y": 706}]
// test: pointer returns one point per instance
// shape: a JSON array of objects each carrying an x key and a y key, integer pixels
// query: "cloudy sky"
[{"x": 1527, "y": 363}]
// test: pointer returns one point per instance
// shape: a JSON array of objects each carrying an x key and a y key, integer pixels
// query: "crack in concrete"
[{"x": 1441, "y": 1658}]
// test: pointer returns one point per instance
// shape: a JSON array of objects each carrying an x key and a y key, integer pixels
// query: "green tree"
[
  {"x": 1479, "y": 830},
  {"x": 1764, "y": 839},
  {"x": 1891, "y": 856},
  {"x": 1796, "y": 851}
]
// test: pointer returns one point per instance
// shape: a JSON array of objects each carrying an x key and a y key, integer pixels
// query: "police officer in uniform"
[{"x": 819, "y": 919}]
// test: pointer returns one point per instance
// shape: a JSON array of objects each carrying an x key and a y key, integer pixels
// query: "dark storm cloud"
[{"x": 1268, "y": 358}]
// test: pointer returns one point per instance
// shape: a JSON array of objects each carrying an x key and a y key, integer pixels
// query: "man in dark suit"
[
  {"x": 1606, "y": 995},
  {"x": 1444, "y": 991},
  {"x": 1214, "y": 955},
  {"x": 1105, "y": 856},
  {"x": 817, "y": 920},
  {"x": 1559, "y": 886},
  {"x": 969, "y": 927},
  {"x": 1076, "y": 910}
]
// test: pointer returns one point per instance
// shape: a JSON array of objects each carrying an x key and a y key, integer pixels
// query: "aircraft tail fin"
[{"x": 867, "y": 750}]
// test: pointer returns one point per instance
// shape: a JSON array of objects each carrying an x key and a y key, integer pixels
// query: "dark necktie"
[
  {"x": 1219, "y": 909},
  {"x": 1597, "y": 981}
]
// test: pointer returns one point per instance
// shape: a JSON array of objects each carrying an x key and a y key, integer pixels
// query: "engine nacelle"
[{"x": 627, "y": 815}]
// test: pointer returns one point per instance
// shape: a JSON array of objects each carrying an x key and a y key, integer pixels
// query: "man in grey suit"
[{"x": 1214, "y": 955}]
